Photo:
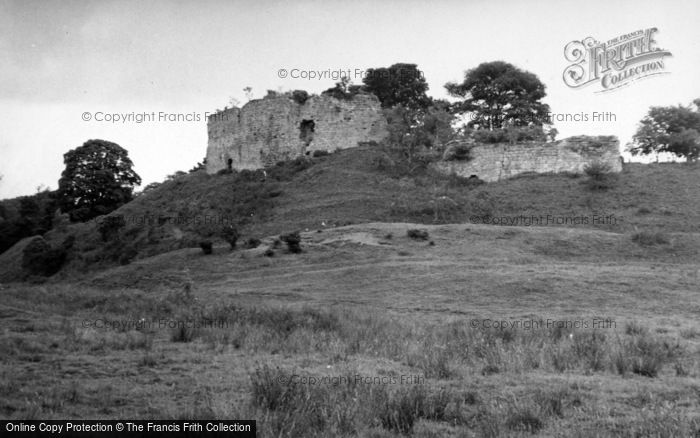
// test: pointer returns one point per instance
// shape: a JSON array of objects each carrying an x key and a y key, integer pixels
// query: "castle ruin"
[
  {"x": 494, "y": 162},
  {"x": 281, "y": 127},
  {"x": 277, "y": 128}
]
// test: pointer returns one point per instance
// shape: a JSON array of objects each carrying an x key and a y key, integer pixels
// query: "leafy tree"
[
  {"x": 400, "y": 84},
  {"x": 500, "y": 94},
  {"x": 417, "y": 135},
  {"x": 98, "y": 179},
  {"x": 38, "y": 258},
  {"x": 672, "y": 129},
  {"x": 25, "y": 216},
  {"x": 343, "y": 89}
]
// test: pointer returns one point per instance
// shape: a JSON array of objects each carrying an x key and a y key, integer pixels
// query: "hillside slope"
[{"x": 351, "y": 187}]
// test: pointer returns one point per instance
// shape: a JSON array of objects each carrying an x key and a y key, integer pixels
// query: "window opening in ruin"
[
  {"x": 229, "y": 164},
  {"x": 306, "y": 131}
]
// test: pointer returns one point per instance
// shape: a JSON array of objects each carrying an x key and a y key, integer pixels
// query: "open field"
[{"x": 401, "y": 328}]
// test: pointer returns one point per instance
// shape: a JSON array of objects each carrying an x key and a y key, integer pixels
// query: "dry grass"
[{"x": 244, "y": 325}]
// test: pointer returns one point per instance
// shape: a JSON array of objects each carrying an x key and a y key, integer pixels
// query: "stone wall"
[
  {"x": 493, "y": 162},
  {"x": 277, "y": 128}
]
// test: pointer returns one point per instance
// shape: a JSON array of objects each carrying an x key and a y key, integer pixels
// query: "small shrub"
[
  {"x": 525, "y": 420},
  {"x": 300, "y": 96},
  {"x": 597, "y": 169},
  {"x": 681, "y": 371},
  {"x": 383, "y": 162},
  {"x": 416, "y": 234},
  {"x": 647, "y": 356},
  {"x": 399, "y": 411},
  {"x": 489, "y": 136},
  {"x": 110, "y": 225},
  {"x": 389, "y": 236},
  {"x": 182, "y": 333},
  {"x": 286, "y": 170},
  {"x": 600, "y": 176},
  {"x": 552, "y": 402},
  {"x": 490, "y": 369},
  {"x": 148, "y": 361},
  {"x": 207, "y": 246},
  {"x": 252, "y": 243},
  {"x": 635, "y": 328},
  {"x": 269, "y": 388},
  {"x": 457, "y": 152},
  {"x": 320, "y": 153},
  {"x": 650, "y": 238},
  {"x": 225, "y": 172},
  {"x": 293, "y": 241},
  {"x": 590, "y": 347},
  {"x": 269, "y": 253},
  {"x": 38, "y": 258},
  {"x": 230, "y": 234}
]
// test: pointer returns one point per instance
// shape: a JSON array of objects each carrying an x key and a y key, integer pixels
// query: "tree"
[
  {"x": 672, "y": 129},
  {"x": 343, "y": 89},
  {"x": 418, "y": 134},
  {"x": 500, "y": 94},
  {"x": 400, "y": 84},
  {"x": 98, "y": 179}
]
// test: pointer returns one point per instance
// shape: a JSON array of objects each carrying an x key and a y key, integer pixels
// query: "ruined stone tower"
[
  {"x": 494, "y": 162},
  {"x": 278, "y": 128}
]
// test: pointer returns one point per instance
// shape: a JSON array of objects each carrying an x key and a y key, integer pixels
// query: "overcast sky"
[{"x": 60, "y": 59}]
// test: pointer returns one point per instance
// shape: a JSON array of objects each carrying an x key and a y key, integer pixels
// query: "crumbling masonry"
[
  {"x": 266, "y": 131},
  {"x": 277, "y": 128},
  {"x": 494, "y": 162}
]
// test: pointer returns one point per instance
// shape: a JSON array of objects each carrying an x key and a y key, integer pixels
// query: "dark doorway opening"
[
  {"x": 229, "y": 164},
  {"x": 306, "y": 131}
]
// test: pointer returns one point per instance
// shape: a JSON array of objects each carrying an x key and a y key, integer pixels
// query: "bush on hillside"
[
  {"x": 457, "y": 152},
  {"x": 252, "y": 243},
  {"x": 600, "y": 176},
  {"x": 207, "y": 246},
  {"x": 109, "y": 226},
  {"x": 286, "y": 170},
  {"x": 650, "y": 238},
  {"x": 38, "y": 258},
  {"x": 230, "y": 234},
  {"x": 293, "y": 241},
  {"x": 417, "y": 234}
]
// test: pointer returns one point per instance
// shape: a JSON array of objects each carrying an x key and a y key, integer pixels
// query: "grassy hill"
[{"x": 352, "y": 186}]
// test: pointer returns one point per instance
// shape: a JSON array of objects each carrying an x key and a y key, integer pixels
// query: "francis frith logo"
[{"x": 616, "y": 62}]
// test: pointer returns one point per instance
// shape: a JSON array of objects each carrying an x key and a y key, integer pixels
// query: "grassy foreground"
[{"x": 371, "y": 333}]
